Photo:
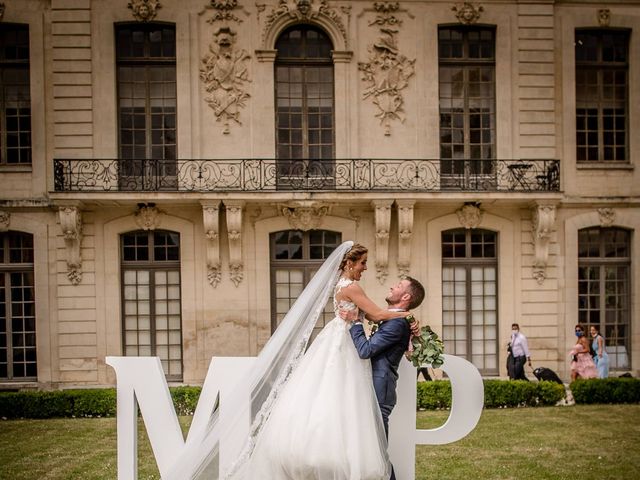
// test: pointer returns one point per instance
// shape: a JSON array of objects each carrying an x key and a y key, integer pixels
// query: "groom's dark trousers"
[{"x": 385, "y": 348}]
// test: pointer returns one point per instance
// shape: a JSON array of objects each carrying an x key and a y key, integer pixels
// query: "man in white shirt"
[{"x": 518, "y": 354}]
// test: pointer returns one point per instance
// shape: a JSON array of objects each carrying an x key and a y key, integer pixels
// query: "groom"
[{"x": 386, "y": 347}]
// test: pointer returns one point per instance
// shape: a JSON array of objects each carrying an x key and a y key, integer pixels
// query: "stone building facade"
[{"x": 173, "y": 172}]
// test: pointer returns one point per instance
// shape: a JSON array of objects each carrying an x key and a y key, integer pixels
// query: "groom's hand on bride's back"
[{"x": 348, "y": 315}]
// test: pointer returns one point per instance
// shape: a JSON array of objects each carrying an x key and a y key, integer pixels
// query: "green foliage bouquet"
[{"x": 425, "y": 348}]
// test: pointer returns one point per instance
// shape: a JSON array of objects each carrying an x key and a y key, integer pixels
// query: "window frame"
[
  {"x": 7, "y": 267},
  {"x": 297, "y": 170},
  {"x": 151, "y": 265},
  {"x": 601, "y": 262},
  {"x": 467, "y": 171},
  {"x": 600, "y": 66},
  {"x": 149, "y": 172},
  {"x": 17, "y": 64},
  {"x": 468, "y": 262},
  {"x": 306, "y": 264}
]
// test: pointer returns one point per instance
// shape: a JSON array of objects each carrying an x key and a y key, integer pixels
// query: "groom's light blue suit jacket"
[{"x": 385, "y": 348}]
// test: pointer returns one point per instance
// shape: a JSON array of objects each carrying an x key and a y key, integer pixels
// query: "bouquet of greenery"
[{"x": 425, "y": 348}]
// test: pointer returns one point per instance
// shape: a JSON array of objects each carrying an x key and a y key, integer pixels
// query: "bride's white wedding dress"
[{"x": 326, "y": 423}]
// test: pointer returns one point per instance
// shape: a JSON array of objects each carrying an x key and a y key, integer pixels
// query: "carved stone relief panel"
[
  {"x": 607, "y": 216},
  {"x": 387, "y": 71},
  {"x": 467, "y": 13},
  {"x": 144, "y": 10},
  {"x": 5, "y": 220},
  {"x": 70, "y": 219},
  {"x": 234, "y": 232},
  {"x": 544, "y": 217},
  {"x": 470, "y": 215},
  {"x": 304, "y": 215},
  {"x": 405, "y": 234},
  {"x": 211, "y": 222},
  {"x": 383, "y": 225},
  {"x": 148, "y": 217},
  {"x": 314, "y": 11},
  {"x": 224, "y": 11},
  {"x": 225, "y": 75},
  {"x": 604, "y": 17},
  {"x": 385, "y": 14}
]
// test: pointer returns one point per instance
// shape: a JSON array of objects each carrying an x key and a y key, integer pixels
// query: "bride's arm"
[{"x": 373, "y": 312}]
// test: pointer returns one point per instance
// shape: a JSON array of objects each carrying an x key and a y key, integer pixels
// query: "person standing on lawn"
[
  {"x": 518, "y": 354},
  {"x": 582, "y": 365},
  {"x": 600, "y": 357}
]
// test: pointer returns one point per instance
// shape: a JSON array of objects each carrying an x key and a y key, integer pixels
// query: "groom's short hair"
[{"x": 416, "y": 290}]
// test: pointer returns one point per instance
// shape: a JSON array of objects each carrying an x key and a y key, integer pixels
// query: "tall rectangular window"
[
  {"x": 604, "y": 289},
  {"x": 295, "y": 258},
  {"x": 602, "y": 95},
  {"x": 304, "y": 108},
  {"x": 18, "y": 360},
  {"x": 151, "y": 299},
  {"x": 15, "y": 96},
  {"x": 146, "y": 70},
  {"x": 467, "y": 104},
  {"x": 470, "y": 297}
]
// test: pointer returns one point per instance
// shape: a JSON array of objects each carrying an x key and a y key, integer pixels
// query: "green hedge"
[
  {"x": 185, "y": 399},
  {"x": 606, "y": 390},
  {"x": 81, "y": 403},
  {"x": 431, "y": 396},
  {"x": 497, "y": 393}
]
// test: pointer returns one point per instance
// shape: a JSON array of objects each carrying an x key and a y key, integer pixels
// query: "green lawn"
[{"x": 580, "y": 442}]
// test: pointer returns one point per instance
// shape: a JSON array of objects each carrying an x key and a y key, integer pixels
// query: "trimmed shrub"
[
  {"x": 606, "y": 390},
  {"x": 550, "y": 393},
  {"x": 497, "y": 393},
  {"x": 185, "y": 399},
  {"x": 434, "y": 395},
  {"x": 93, "y": 403},
  {"x": 45, "y": 404},
  {"x": 98, "y": 402}
]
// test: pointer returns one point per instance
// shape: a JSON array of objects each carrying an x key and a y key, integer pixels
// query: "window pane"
[
  {"x": 469, "y": 296},
  {"x": 18, "y": 355},
  {"x": 467, "y": 105},
  {"x": 601, "y": 95},
  {"x": 304, "y": 107},
  {"x": 146, "y": 76},
  {"x": 295, "y": 257},
  {"x": 15, "y": 96},
  {"x": 604, "y": 288},
  {"x": 150, "y": 266}
]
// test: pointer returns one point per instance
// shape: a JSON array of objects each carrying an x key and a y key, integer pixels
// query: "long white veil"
[{"x": 274, "y": 365}]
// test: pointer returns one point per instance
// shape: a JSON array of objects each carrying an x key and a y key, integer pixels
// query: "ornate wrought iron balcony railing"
[{"x": 246, "y": 175}]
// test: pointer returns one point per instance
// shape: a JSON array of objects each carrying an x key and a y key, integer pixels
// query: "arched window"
[
  {"x": 470, "y": 296},
  {"x": 604, "y": 289},
  {"x": 304, "y": 106},
  {"x": 151, "y": 305},
  {"x": 467, "y": 64},
  {"x": 17, "y": 308},
  {"x": 295, "y": 257}
]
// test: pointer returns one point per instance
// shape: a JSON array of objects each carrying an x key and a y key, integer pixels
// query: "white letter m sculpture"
[{"x": 141, "y": 382}]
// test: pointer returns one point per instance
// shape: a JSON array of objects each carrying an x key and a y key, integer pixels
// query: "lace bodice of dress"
[{"x": 343, "y": 304}]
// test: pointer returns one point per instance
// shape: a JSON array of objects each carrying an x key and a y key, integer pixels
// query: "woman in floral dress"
[{"x": 582, "y": 365}]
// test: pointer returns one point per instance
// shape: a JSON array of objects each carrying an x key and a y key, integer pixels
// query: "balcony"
[{"x": 347, "y": 175}]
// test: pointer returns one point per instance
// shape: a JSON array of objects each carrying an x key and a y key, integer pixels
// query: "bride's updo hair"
[{"x": 356, "y": 252}]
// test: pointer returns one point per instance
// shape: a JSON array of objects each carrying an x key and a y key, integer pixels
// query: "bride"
[
  {"x": 326, "y": 423},
  {"x": 314, "y": 414}
]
